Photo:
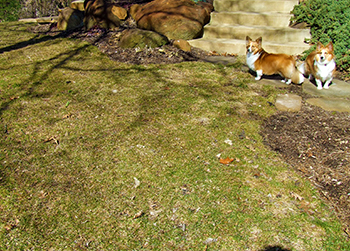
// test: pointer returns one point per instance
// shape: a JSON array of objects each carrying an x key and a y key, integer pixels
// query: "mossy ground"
[{"x": 100, "y": 155}]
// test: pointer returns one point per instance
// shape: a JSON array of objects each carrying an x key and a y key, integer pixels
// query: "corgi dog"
[
  {"x": 266, "y": 63},
  {"x": 320, "y": 65}
]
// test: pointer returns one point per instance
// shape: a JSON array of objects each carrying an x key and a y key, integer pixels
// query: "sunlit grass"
[{"x": 100, "y": 155}]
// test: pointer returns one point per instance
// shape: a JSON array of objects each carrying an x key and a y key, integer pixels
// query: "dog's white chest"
[
  {"x": 251, "y": 58},
  {"x": 325, "y": 71}
]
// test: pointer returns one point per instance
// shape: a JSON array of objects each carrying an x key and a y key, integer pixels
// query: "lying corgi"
[
  {"x": 320, "y": 65},
  {"x": 266, "y": 63}
]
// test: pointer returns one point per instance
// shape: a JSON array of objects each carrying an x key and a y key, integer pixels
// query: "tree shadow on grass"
[
  {"x": 35, "y": 40},
  {"x": 275, "y": 248},
  {"x": 39, "y": 38},
  {"x": 36, "y": 78}
]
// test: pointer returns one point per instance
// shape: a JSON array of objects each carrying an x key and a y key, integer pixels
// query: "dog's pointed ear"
[
  {"x": 247, "y": 40},
  {"x": 319, "y": 45},
  {"x": 330, "y": 46},
  {"x": 259, "y": 40}
]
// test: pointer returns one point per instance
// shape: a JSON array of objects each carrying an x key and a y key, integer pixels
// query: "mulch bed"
[
  {"x": 107, "y": 42},
  {"x": 313, "y": 141},
  {"x": 317, "y": 144}
]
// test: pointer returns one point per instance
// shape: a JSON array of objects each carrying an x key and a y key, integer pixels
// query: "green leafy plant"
[
  {"x": 9, "y": 10},
  {"x": 329, "y": 21}
]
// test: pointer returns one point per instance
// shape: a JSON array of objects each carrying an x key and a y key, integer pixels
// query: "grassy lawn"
[{"x": 100, "y": 155}]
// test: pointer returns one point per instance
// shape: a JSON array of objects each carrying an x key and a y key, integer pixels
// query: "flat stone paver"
[
  {"x": 221, "y": 60},
  {"x": 331, "y": 104},
  {"x": 288, "y": 102},
  {"x": 336, "y": 98},
  {"x": 338, "y": 89},
  {"x": 274, "y": 82}
]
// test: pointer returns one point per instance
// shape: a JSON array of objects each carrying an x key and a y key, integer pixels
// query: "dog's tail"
[
  {"x": 301, "y": 68},
  {"x": 297, "y": 76}
]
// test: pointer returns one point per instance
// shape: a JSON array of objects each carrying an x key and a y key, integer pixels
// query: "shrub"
[
  {"x": 9, "y": 10},
  {"x": 329, "y": 20},
  {"x": 42, "y": 8}
]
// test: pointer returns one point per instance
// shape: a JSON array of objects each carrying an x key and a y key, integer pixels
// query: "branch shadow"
[
  {"x": 275, "y": 248},
  {"x": 35, "y": 40},
  {"x": 35, "y": 79}
]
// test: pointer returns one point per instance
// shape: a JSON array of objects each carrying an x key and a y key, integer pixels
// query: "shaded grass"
[{"x": 97, "y": 154}]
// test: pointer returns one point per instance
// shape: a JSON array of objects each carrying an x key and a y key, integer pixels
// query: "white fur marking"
[
  {"x": 325, "y": 70},
  {"x": 251, "y": 58},
  {"x": 301, "y": 68},
  {"x": 319, "y": 84},
  {"x": 259, "y": 74}
]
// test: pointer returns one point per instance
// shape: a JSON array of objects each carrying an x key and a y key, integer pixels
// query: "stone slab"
[
  {"x": 271, "y": 81},
  {"x": 221, "y": 60},
  {"x": 288, "y": 102},
  {"x": 338, "y": 89},
  {"x": 331, "y": 104}
]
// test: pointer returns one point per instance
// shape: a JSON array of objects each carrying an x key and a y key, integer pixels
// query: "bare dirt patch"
[
  {"x": 107, "y": 42},
  {"x": 313, "y": 141},
  {"x": 317, "y": 144}
]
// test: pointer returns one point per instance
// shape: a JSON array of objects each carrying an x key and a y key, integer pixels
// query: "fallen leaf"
[
  {"x": 137, "y": 182},
  {"x": 229, "y": 142},
  {"x": 242, "y": 135},
  {"x": 138, "y": 215},
  {"x": 226, "y": 161},
  {"x": 296, "y": 196},
  {"x": 257, "y": 175},
  {"x": 250, "y": 148},
  {"x": 67, "y": 116},
  {"x": 53, "y": 138},
  {"x": 306, "y": 207},
  {"x": 42, "y": 194},
  {"x": 11, "y": 225},
  {"x": 210, "y": 240}
]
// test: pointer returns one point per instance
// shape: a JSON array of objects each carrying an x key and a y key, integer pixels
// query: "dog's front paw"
[
  {"x": 257, "y": 78},
  {"x": 319, "y": 87},
  {"x": 325, "y": 87},
  {"x": 287, "y": 81}
]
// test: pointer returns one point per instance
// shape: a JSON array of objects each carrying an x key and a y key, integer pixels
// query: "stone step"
[
  {"x": 278, "y": 35},
  {"x": 237, "y": 46},
  {"x": 255, "y": 5},
  {"x": 250, "y": 18}
]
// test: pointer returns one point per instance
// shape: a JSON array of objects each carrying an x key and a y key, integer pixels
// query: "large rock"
[
  {"x": 175, "y": 19},
  {"x": 288, "y": 102},
  {"x": 101, "y": 13},
  {"x": 182, "y": 45},
  {"x": 136, "y": 38},
  {"x": 70, "y": 19},
  {"x": 77, "y": 5}
]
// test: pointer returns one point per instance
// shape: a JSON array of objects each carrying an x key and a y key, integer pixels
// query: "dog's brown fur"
[
  {"x": 320, "y": 64},
  {"x": 269, "y": 64}
]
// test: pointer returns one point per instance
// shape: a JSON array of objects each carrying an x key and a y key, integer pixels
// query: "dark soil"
[
  {"x": 313, "y": 141},
  {"x": 316, "y": 143},
  {"x": 107, "y": 42}
]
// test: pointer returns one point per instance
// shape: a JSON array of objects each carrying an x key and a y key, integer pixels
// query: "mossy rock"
[{"x": 137, "y": 38}]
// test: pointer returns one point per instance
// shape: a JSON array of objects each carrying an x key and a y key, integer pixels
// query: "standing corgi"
[
  {"x": 263, "y": 62},
  {"x": 320, "y": 64}
]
